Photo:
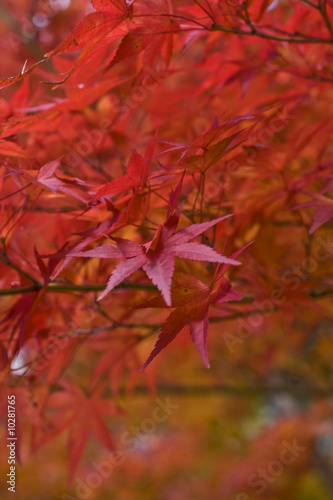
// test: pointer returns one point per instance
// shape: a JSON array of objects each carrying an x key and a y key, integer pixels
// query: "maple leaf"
[
  {"x": 80, "y": 413},
  {"x": 18, "y": 319},
  {"x": 192, "y": 299},
  {"x": 153, "y": 38},
  {"x": 156, "y": 257},
  {"x": 92, "y": 30},
  {"x": 9, "y": 80},
  {"x": 89, "y": 235},
  {"x": 46, "y": 269},
  {"x": 137, "y": 172},
  {"x": 324, "y": 210},
  {"x": 45, "y": 177},
  {"x": 12, "y": 149},
  {"x": 117, "y": 220}
]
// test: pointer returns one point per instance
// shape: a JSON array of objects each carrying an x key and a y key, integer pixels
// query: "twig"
[
  {"x": 4, "y": 258},
  {"x": 322, "y": 7},
  {"x": 290, "y": 39}
]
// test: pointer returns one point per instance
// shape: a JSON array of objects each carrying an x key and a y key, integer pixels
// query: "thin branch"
[
  {"x": 253, "y": 31},
  {"x": 5, "y": 259},
  {"x": 209, "y": 14},
  {"x": 71, "y": 287},
  {"x": 266, "y": 36},
  {"x": 246, "y": 18},
  {"x": 322, "y": 7},
  {"x": 16, "y": 290},
  {"x": 99, "y": 287}
]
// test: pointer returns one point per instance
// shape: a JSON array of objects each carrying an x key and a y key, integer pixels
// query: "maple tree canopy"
[{"x": 166, "y": 208}]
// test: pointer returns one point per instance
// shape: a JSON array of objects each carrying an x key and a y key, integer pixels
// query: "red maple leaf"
[
  {"x": 192, "y": 299},
  {"x": 156, "y": 257},
  {"x": 79, "y": 414},
  {"x": 46, "y": 178},
  {"x": 136, "y": 176},
  {"x": 92, "y": 30},
  {"x": 324, "y": 211}
]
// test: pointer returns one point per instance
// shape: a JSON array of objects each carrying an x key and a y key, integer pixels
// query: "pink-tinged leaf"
[
  {"x": 61, "y": 187},
  {"x": 157, "y": 256},
  {"x": 190, "y": 232},
  {"x": 90, "y": 235},
  {"x": 124, "y": 269},
  {"x": 102, "y": 252},
  {"x": 46, "y": 179},
  {"x": 128, "y": 247},
  {"x": 199, "y": 333},
  {"x": 221, "y": 291},
  {"x": 324, "y": 210},
  {"x": 160, "y": 270},
  {"x": 109, "y": 252},
  {"x": 323, "y": 214},
  {"x": 198, "y": 251},
  {"x": 48, "y": 170}
]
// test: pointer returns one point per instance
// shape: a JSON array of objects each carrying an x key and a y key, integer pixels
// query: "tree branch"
[
  {"x": 99, "y": 287},
  {"x": 322, "y": 7},
  {"x": 4, "y": 258},
  {"x": 289, "y": 38},
  {"x": 72, "y": 287}
]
